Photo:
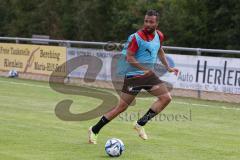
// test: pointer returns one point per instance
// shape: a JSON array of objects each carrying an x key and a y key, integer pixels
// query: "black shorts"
[{"x": 133, "y": 85}]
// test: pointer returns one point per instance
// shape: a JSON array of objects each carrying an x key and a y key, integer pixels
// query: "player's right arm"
[
  {"x": 130, "y": 57},
  {"x": 132, "y": 60}
]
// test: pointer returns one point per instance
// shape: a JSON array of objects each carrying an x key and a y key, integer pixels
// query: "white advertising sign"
[
  {"x": 207, "y": 73},
  {"x": 196, "y": 72}
]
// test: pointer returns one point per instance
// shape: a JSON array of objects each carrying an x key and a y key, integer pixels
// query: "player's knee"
[
  {"x": 166, "y": 98},
  {"x": 169, "y": 98}
]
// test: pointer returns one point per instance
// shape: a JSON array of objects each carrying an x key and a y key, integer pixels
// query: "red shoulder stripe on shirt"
[
  {"x": 133, "y": 46},
  {"x": 161, "y": 36}
]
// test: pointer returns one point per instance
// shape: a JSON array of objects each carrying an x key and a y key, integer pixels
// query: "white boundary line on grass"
[
  {"x": 199, "y": 105},
  {"x": 176, "y": 102},
  {"x": 25, "y": 84}
]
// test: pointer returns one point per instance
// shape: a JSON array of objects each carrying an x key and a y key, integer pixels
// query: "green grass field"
[{"x": 29, "y": 129}]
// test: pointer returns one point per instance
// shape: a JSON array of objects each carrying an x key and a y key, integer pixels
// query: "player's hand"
[{"x": 175, "y": 70}]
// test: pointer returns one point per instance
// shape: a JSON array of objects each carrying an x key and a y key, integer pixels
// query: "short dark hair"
[{"x": 152, "y": 12}]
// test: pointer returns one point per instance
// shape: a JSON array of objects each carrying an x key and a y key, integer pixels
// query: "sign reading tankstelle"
[{"x": 37, "y": 59}]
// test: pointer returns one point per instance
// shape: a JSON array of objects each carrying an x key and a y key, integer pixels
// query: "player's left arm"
[{"x": 163, "y": 59}]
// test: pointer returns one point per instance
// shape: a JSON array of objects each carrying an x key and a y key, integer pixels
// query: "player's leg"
[
  {"x": 124, "y": 102},
  {"x": 163, "y": 99},
  {"x": 163, "y": 95}
]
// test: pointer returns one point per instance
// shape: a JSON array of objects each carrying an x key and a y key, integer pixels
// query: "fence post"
[
  {"x": 17, "y": 40},
  {"x": 199, "y": 54}
]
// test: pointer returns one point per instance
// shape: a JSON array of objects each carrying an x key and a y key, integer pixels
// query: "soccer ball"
[
  {"x": 12, "y": 74},
  {"x": 114, "y": 147}
]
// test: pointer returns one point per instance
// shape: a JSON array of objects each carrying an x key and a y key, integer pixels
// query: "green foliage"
[{"x": 190, "y": 23}]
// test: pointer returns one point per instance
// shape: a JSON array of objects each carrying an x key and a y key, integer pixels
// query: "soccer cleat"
[
  {"x": 140, "y": 130},
  {"x": 92, "y": 137}
]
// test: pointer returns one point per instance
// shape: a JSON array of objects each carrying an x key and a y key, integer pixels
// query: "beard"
[{"x": 150, "y": 30}]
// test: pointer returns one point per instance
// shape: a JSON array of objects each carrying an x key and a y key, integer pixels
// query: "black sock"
[
  {"x": 149, "y": 115},
  {"x": 103, "y": 121}
]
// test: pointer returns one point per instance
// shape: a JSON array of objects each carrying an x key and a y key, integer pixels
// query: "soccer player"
[{"x": 143, "y": 48}]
